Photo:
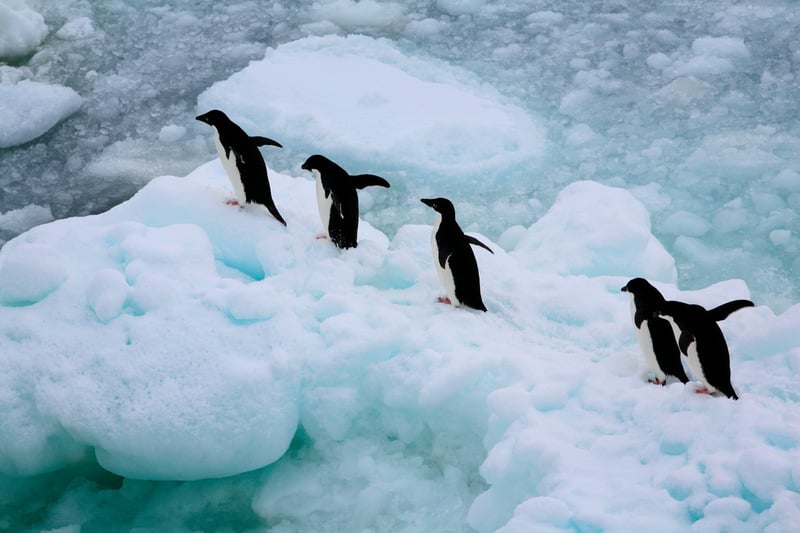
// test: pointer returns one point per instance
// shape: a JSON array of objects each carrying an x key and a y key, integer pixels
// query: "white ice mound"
[
  {"x": 362, "y": 98},
  {"x": 29, "y": 109},
  {"x": 596, "y": 230},
  {"x": 177, "y": 337},
  {"x": 21, "y": 29}
]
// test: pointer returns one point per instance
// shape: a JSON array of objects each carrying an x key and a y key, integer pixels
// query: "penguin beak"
[
  {"x": 202, "y": 118},
  {"x": 427, "y": 201},
  {"x": 624, "y": 289}
]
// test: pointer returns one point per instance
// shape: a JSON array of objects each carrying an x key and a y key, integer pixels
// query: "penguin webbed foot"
[
  {"x": 233, "y": 202},
  {"x": 702, "y": 391},
  {"x": 321, "y": 237},
  {"x": 444, "y": 300},
  {"x": 656, "y": 381}
]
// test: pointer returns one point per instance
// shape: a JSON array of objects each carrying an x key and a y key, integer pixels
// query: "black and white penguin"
[
  {"x": 703, "y": 342},
  {"x": 655, "y": 335},
  {"x": 337, "y": 198},
  {"x": 455, "y": 262},
  {"x": 242, "y": 161}
]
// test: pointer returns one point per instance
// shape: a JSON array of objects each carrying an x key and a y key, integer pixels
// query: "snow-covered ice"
[
  {"x": 29, "y": 109},
  {"x": 175, "y": 337},
  {"x": 178, "y": 364},
  {"x": 365, "y": 100},
  {"x": 22, "y": 29}
]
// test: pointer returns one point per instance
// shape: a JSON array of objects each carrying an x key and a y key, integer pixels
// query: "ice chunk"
[
  {"x": 28, "y": 109},
  {"x": 460, "y": 7},
  {"x": 729, "y": 47},
  {"x": 362, "y": 99},
  {"x": 29, "y": 272},
  {"x": 683, "y": 91},
  {"x": 21, "y": 29},
  {"x": 350, "y": 15},
  {"x": 780, "y": 237},
  {"x": 787, "y": 180},
  {"x": 19, "y": 220},
  {"x": 171, "y": 133},
  {"x": 714, "y": 56},
  {"x": 77, "y": 28},
  {"x": 685, "y": 223},
  {"x": 575, "y": 237}
]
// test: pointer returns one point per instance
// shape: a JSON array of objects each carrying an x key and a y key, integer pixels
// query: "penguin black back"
[
  {"x": 243, "y": 161},
  {"x": 454, "y": 257},
  {"x": 338, "y": 198}
]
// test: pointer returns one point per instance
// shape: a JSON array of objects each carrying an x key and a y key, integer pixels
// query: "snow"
[
  {"x": 29, "y": 109},
  {"x": 175, "y": 337}
]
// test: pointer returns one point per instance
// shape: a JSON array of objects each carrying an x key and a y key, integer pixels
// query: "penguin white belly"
[
  {"x": 323, "y": 204},
  {"x": 646, "y": 343},
  {"x": 445, "y": 274},
  {"x": 229, "y": 164},
  {"x": 696, "y": 367}
]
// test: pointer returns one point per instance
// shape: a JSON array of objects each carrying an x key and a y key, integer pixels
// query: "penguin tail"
[
  {"x": 728, "y": 391},
  {"x": 274, "y": 211}
]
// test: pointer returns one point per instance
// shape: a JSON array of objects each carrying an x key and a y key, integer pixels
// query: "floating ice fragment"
[
  {"x": 28, "y": 109},
  {"x": 19, "y": 220},
  {"x": 21, "y": 29},
  {"x": 77, "y": 28}
]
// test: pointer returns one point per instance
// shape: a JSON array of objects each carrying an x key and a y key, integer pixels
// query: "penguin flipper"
[
  {"x": 640, "y": 316},
  {"x": 684, "y": 342},
  {"x": 336, "y": 205},
  {"x": 721, "y": 312},
  {"x": 466, "y": 278},
  {"x": 476, "y": 242},
  {"x": 668, "y": 355},
  {"x": 367, "y": 180},
  {"x": 265, "y": 141}
]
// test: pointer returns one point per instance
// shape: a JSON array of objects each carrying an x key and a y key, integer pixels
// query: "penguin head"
[
  {"x": 443, "y": 206},
  {"x": 637, "y": 286},
  {"x": 322, "y": 164},
  {"x": 213, "y": 117},
  {"x": 647, "y": 298}
]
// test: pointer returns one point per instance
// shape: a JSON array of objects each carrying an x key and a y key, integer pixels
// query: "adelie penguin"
[
  {"x": 703, "y": 342},
  {"x": 655, "y": 335},
  {"x": 242, "y": 161},
  {"x": 452, "y": 254},
  {"x": 337, "y": 198}
]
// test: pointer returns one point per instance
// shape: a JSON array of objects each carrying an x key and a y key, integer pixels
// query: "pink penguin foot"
[
  {"x": 321, "y": 237},
  {"x": 232, "y": 202},
  {"x": 655, "y": 381},
  {"x": 444, "y": 300},
  {"x": 702, "y": 391}
]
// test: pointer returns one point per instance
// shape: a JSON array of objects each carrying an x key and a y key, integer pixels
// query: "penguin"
[
  {"x": 242, "y": 161},
  {"x": 703, "y": 343},
  {"x": 455, "y": 262},
  {"x": 337, "y": 198},
  {"x": 655, "y": 335}
]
